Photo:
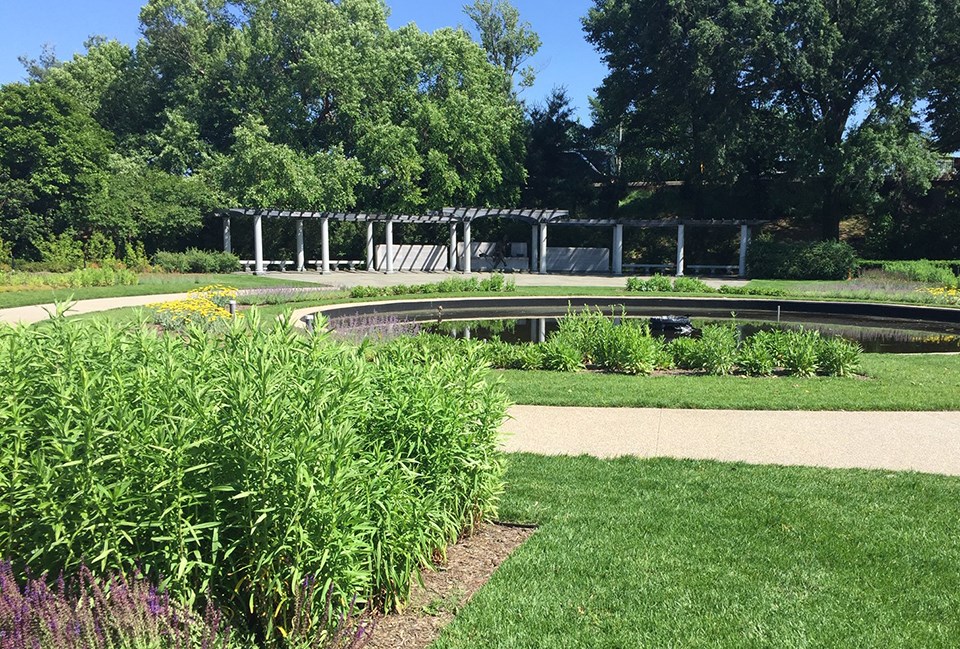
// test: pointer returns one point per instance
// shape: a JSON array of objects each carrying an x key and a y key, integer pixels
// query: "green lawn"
[
  {"x": 150, "y": 284},
  {"x": 894, "y": 382},
  {"x": 667, "y": 553}
]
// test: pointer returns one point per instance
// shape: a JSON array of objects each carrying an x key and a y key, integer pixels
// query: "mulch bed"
[{"x": 448, "y": 588}]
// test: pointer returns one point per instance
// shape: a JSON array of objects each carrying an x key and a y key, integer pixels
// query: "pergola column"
[
  {"x": 227, "y": 241},
  {"x": 467, "y": 263},
  {"x": 543, "y": 249},
  {"x": 370, "y": 247},
  {"x": 534, "y": 248},
  {"x": 744, "y": 245},
  {"x": 680, "y": 250},
  {"x": 301, "y": 258},
  {"x": 389, "y": 264},
  {"x": 452, "y": 251},
  {"x": 617, "y": 252},
  {"x": 258, "y": 244},
  {"x": 325, "y": 245}
]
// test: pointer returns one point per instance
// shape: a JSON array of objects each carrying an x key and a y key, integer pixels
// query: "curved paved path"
[
  {"x": 38, "y": 312},
  {"x": 915, "y": 441}
]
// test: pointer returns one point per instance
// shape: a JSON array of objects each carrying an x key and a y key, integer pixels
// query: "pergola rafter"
[{"x": 538, "y": 219}]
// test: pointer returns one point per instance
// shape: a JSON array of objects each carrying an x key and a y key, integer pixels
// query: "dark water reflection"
[{"x": 873, "y": 339}]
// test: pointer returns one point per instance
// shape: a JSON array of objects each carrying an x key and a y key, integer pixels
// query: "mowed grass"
[
  {"x": 150, "y": 284},
  {"x": 891, "y": 382},
  {"x": 666, "y": 553}
]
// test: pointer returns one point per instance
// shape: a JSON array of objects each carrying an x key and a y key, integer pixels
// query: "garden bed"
[{"x": 447, "y": 588}]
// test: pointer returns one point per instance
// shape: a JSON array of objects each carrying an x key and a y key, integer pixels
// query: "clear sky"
[{"x": 565, "y": 59}]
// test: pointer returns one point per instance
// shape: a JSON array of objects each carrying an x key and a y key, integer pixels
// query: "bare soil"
[{"x": 447, "y": 589}]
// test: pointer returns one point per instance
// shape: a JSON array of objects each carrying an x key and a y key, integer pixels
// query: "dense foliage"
[
  {"x": 305, "y": 104},
  {"x": 797, "y": 260},
  {"x": 595, "y": 340},
  {"x": 823, "y": 104},
  {"x": 262, "y": 467},
  {"x": 495, "y": 283}
]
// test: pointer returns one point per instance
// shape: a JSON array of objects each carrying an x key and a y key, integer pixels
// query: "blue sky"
[{"x": 565, "y": 59}]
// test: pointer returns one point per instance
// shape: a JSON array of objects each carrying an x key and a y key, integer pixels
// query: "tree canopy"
[
  {"x": 280, "y": 103},
  {"x": 721, "y": 90}
]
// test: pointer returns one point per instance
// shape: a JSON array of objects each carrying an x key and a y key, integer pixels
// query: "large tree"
[
  {"x": 508, "y": 41},
  {"x": 723, "y": 88},
  {"x": 52, "y": 160}
]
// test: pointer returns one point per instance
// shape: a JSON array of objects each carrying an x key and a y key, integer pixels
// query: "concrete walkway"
[
  {"x": 38, "y": 312},
  {"x": 902, "y": 441}
]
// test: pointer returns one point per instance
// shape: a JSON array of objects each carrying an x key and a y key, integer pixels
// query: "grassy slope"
[
  {"x": 666, "y": 553},
  {"x": 150, "y": 284},
  {"x": 895, "y": 382}
]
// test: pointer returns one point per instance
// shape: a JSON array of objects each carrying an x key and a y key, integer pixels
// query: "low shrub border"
[{"x": 591, "y": 339}]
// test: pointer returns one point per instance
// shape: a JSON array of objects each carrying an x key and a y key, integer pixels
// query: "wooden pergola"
[{"x": 454, "y": 217}]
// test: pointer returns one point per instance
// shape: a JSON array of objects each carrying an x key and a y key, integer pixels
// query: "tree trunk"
[{"x": 830, "y": 214}]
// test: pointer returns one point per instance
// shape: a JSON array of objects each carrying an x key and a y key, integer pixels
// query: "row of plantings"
[
  {"x": 912, "y": 282},
  {"x": 276, "y": 477},
  {"x": 495, "y": 283},
  {"x": 65, "y": 254},
  {"x": 589, "y": 339}
]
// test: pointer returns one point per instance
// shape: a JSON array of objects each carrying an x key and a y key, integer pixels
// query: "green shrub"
[
  {"x": 61, "y": 253},
  {"x": 99, "y": 247},
  {"x": 656, "y": 284},
  {"x": 495, "y": 283},
  {"x": 800, "y": 351},
  {"x": 171, "y": 262},
  {"x": 196, "y": 261},
  {"x": 627, "y": 348},
  {"x": 363, "y": 292},
  {"x": 757, "y": 355},
  {"x": 750, "y": 290},
  {"x": 242, "y": 465},
  {"x": 528, "y": 357},
  {"x": 102, "y": 277},
  {"x": 717, "y": 353},
  {"x": 922, "y": 270},
  {"x": 559, "y": 355},
  {"x": 788, "y": 260},
  {"x": 135, "y": 258},
  {"x": 6, "y": 255},
  {"x": 837, "y": 357},
  {"x": 691, "y": 285},
  {"x": 585, "y": 330},
  {"x": 500, "y": 354},
  {"x": 685, "y": 353}
]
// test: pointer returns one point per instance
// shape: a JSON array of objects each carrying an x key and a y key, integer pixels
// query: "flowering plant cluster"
[
  {"x": 945, "y": 294},
  {"x": 90, "y": 613},
  {"x": 180, "y": 315},
  {"x": 216, "y": 293}
]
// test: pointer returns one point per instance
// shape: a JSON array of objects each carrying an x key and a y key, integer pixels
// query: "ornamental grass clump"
[
  {"x": 87, "y": 612},
  {"x": 236, "y": 466}
]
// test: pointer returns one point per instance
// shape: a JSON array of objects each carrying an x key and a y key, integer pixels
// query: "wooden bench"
[
  {"x": 714, "y": 269},
  {"x": 249, "y": 264},
  {"x": 646, "y": 268},
  {"x": 338, "y": 264}
]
